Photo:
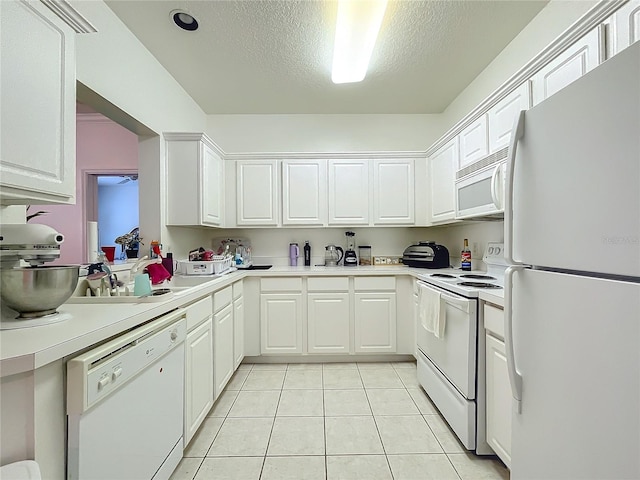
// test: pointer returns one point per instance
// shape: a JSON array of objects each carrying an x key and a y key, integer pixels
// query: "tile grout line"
[
  {"x": 266, "y": 450},
  {"x": 384, "y": 450}
]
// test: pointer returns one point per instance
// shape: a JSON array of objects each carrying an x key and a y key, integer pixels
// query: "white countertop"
[{"x": 26, "y": 349}]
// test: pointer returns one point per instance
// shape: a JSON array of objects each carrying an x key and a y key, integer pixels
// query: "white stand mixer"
[{"x": 36, "y": 291}]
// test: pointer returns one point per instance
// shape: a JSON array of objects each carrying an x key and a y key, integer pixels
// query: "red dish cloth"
[{"x": 157, "y": 273}]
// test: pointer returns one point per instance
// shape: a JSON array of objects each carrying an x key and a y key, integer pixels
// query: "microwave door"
[{"x": 481, "y": 193}]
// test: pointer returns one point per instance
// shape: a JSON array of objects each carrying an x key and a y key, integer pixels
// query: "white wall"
[
  {"x": 115, "y": 65},
  {"x": 548, "y": 25},
  {"x": 478, "y": 234},
  {"x": 322, "y": 133}
]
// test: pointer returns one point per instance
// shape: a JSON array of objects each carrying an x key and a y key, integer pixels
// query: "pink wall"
[{"x": 102, "y": 146}]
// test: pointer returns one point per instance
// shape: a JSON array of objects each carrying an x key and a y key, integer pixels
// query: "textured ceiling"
[{"x": 275, "y": 56}]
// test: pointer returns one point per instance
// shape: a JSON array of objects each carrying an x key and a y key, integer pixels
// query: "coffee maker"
[{"x": 350, "y": 257}]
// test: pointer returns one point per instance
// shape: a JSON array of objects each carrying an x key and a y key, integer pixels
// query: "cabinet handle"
[
  {"x": 516, "y": 135},
  {"x": 515, "y": 379}
]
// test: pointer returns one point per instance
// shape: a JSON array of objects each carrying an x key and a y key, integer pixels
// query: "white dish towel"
[{"x": 432, "y": 311}]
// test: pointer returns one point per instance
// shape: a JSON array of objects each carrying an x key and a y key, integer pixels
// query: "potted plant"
[{"x": 130, "y": 243}]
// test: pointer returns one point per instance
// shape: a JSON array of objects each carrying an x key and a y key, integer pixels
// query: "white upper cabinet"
[
  {"x": 574, "y": 62},
  {"x": 442, "y": 165},
  {"x": 393, "y": 192},
  {"x": 257, "y": 192},
  {"x": 627, "y": 25},
  {"x": 503, "y": 114},
  {"x": 304, "y": 192},
  {"x": 474, "y": 142},
  {"x": 38, "y": 98},
  {"x": 195, "y": 187},
  {"x": 349, "y": 192}
]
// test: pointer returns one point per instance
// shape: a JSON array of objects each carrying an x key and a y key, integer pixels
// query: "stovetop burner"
[
  {"x": 442, "y": 275},
  {"x": 478, "y": 285},
  {"x": 478, "y": 277}
]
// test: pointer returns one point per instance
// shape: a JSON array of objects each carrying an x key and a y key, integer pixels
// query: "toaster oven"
[{"x": 426, "y": 255}]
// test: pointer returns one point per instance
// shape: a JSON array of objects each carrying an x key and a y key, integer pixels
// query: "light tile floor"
[{"x": 344, "y": 421}]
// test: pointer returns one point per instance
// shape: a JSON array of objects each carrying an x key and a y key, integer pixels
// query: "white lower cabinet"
[
  {"x": 498, "y": 390},
  {"x": 198, "y": 380},
  {"x": 328, "y": 322},
  {"x": 281, "y": 323},
  {"x": 375, "y": 314},
  {"x": 223, "y": 339},
  {"x": 375, "y": 322},
  {"x": 238, "y": 325}
]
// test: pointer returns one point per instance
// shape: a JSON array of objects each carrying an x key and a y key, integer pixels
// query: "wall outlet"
[
  {"x": 386, "y": 260},
  {"x": 475, "y": 250}
]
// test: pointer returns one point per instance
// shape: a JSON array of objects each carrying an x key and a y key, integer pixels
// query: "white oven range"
[{"x": 451, "y": 360}]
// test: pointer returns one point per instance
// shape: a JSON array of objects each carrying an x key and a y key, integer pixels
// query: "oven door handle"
[{"x": 461, "y": 303}]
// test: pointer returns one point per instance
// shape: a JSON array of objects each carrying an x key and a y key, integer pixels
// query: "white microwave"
[{"x": 481, "y": 193}]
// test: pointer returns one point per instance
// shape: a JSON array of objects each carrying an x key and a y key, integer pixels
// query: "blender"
[{"x": 350, "y": 257}]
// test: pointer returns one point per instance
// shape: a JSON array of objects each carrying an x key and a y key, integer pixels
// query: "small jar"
[{"x": 364, "y": 254}]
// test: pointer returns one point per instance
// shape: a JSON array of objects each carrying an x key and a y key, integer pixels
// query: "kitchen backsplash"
[{"x": 271, "y": 245}]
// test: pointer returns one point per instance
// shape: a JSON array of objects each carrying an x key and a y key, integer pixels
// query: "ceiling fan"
[{"x": 127, "y": 179}]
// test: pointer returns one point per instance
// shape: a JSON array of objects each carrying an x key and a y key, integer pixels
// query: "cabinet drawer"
[
  {"x": 494, "y": 320},
  {"x": 199, "y": 311},
  {"x": 375, "y": 283},
  {"x": 237, "y": 289},
  {"x": 328, "y": 284},
  {"x": 222, "y": 298},
  {"x": 293, "y": 284}
]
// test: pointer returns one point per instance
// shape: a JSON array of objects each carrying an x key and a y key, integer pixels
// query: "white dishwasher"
[{"x": 125, "y": 404}]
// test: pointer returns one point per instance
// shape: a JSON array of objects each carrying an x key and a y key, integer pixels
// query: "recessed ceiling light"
[{"x": 184, "y": 20}]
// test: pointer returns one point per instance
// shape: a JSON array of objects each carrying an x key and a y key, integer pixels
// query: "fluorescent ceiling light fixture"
[{"x": 357, "y": 27}]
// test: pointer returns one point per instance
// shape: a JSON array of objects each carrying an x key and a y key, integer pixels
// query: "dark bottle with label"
[
  {"x": 465, "y": 257},
  {"x": 307, "y": 254}
]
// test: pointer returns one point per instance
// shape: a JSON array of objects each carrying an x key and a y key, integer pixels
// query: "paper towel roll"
[{"x": 92, "y": 241}]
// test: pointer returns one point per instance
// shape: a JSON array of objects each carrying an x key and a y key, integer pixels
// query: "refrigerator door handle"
[
  {"x": 515, "y": 379},
  {"x": 516, "y": 134},
  {"x": 494, "y": 187}
]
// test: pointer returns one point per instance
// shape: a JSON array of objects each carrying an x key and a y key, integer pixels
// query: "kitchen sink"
[
  {"x": 158, "y": 294},
  {"x": 187, "y": 281}
]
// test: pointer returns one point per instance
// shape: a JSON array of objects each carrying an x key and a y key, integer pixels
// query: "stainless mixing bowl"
[{"x": 37, "y": 291}]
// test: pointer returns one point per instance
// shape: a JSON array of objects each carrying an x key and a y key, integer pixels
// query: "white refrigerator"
[{"x": 572, "y": 291}]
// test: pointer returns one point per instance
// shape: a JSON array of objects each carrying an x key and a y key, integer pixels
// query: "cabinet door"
[
  {"x": 578, "y": 59},
  {"x": 498, "y": 399},
  {"x": 223, "y": 348},
  {"x": 393, "y": 194},
  {"x": 211, "y": 187},
  {"x": 198, "y": 378},
  {"x": 627, "y": 25},
  {"x": 349, "y": 195},
  {"x": 280, "y": 323},
  {"x": 304, "y": 192},
  {"x": 38, "y": 94},
  {"x": 474, "y": 142},
  {"x": 375, "y": 322},
  {"x": 442, "y": 166},
  {"x": 257, "y": 192},
  {"x": 238, "y": 332},
  {"x": 328, "y": 322},
  {"x": 503, "y": 114}
]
